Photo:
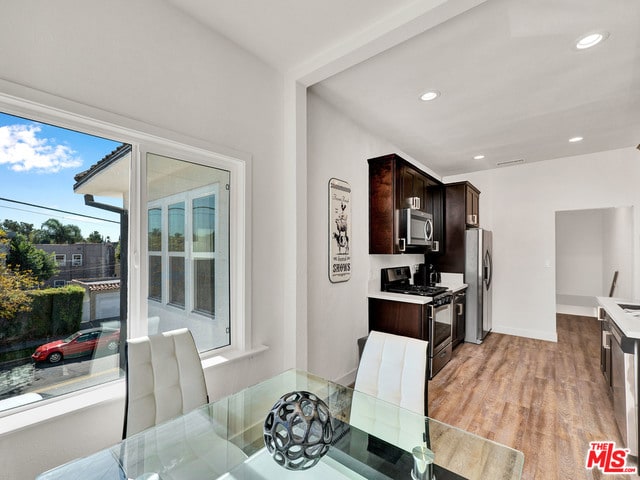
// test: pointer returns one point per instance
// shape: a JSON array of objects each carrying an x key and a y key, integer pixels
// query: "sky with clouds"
[
  {"x": 37, "y": 166},
  {"x": 23, "y": 149}
]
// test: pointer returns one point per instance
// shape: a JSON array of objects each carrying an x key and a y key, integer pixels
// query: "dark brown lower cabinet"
[
  {"x": 459, "y": 316},
  {"x": 399, "y": 318}
]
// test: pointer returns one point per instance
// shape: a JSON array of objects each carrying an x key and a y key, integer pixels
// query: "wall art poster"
[{"x": 339, "y": 230}]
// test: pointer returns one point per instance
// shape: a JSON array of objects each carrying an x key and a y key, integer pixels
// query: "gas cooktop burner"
[{"x": 424, "y": 290}]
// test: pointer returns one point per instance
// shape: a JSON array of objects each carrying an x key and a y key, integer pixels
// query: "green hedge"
[
  {"x": 54, "y": 312},
  {"x": 66, "y": 309}
]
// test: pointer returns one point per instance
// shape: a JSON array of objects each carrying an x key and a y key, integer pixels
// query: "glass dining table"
[{"x": 225, "y": 440}]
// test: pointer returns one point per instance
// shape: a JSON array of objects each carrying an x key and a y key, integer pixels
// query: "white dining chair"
[
  {"x": 164, "y": 379},
  {"x": 394, "y": 368}
]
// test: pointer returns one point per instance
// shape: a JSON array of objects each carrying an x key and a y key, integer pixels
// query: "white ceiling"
[{"x": 512, "y": 84}]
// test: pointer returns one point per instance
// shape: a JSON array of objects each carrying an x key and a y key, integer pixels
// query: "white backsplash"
[
  {"x": 378, "y": 262},
  {"x": 451, "y": 278}
]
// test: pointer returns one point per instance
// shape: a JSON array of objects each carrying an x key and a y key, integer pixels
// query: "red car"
[{"x": 84, "y": 342}]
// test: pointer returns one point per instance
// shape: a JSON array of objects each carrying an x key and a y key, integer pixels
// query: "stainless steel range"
[
  {"x": 439, "y": 313},
  {"x": 398, "y": 280}
]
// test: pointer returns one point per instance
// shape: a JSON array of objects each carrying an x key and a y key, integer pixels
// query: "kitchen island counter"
[{"x": 629, "y": 323}]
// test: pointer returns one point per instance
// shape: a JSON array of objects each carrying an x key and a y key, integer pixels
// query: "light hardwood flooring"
[{"x": 546, "y": 399}]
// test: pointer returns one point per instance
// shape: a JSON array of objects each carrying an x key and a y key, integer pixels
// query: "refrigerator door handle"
[{"x": 488, "y": 267}]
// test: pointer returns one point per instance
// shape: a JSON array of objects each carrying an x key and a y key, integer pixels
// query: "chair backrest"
[
  {"x": 394, "y": 368},
  {"x": 164, "y": 379}
]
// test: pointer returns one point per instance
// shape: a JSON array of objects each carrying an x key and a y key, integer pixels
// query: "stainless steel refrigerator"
[{"x": 477, "y": 274}]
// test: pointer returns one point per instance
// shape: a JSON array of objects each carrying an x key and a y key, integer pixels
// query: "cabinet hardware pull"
[
  {"x": 606, "y": 344},
  {"x": 402, "y": 244}
]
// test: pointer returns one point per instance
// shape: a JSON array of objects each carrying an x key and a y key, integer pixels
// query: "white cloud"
[{"x": 23, "y": 151}]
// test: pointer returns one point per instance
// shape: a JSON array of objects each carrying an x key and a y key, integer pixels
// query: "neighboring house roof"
[
  {"x": 104, "y": 163},
  {"x": 99, "y": 285}
]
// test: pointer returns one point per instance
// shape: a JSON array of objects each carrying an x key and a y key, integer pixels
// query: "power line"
[{"x": 56, "y": 210}]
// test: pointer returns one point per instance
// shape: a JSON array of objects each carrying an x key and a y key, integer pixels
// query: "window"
[
  {"x": 61, "y": 260},
  {"x": 188, "y": 216},
  {"x": 189, "y": 259},
  {"x": 42, "y": 163}
]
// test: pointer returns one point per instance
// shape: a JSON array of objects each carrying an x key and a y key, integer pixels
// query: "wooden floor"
[{"x": 548, "y": 400}]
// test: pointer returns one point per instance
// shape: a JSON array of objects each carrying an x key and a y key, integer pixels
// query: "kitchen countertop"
[
  {"x": 453, "y": 287},
  {"x": 417, "y": 299},
  {"x": 628, "y": 323}
]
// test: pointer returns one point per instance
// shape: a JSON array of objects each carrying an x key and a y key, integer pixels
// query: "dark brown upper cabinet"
[
  {"x": 395, "y": 184},
  {"x": 472, "y": 200},
  {"x": 462, "y": 211}
]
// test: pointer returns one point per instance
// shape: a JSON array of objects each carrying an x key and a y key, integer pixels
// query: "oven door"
[
  {"x": 440, "y": 346},
  {"x": 439, "y": 328}
]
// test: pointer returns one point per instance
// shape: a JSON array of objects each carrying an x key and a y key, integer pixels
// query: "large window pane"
[
  {"x": 57, "y": 341},
  {"x": 204, "y": 221},
  {"x": 204, "y": 279},
  {"x": 155, "y": 229},
  {"x": 176, "y": 281},
  {"x": 155, "y": 277},
  {"x": 193, "y": 200},
  {"x": 176, "y": 227}
]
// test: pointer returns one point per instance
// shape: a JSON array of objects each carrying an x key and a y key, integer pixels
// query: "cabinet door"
[
  {"x": 434, "y": 198},
  {"x": 472, "y": 199},
  {"x": 458, "y": 327},
  {"x": 399, "y": 318},
  {"x": 413, "y": 185}
]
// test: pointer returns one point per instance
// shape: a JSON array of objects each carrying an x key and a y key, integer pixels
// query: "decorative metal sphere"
[{"x": 298, "y": 430}]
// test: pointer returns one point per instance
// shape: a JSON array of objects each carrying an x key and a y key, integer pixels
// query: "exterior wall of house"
[
  {"x": 97, "y": 261},
  {"x": 146, "y": 65}
]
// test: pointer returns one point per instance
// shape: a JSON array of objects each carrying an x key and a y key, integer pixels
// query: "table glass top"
[{"x": 225, "y": 440}]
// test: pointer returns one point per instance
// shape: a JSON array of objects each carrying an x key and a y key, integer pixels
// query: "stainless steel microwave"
[{"x": 415, "y": 229}]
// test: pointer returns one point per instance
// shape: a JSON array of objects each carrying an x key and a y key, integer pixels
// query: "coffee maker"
[{"x": 426, "y": 275}]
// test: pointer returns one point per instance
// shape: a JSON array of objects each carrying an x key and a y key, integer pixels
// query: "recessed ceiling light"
[
  {"x": 576, "y": 139},
  {"x": 478, "y": 157},
  {"x": 430, "y": 95},
  {"x": 591, "y": 40}
]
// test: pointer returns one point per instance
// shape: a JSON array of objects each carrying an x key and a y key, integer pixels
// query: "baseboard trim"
[
  {"x": 347, "y": 379},
  {"x": 523, "y": 332}
]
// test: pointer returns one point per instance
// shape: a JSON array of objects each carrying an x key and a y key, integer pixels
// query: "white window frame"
[
  {"x": 32, "y": 104},
  {"x": 62, "y": 261},
  {"x": 76, "y": 259},
  {"x": 59, "y": 283},
  {"x": 188, "y": 255},
  {"x": 239, "y": 215}
]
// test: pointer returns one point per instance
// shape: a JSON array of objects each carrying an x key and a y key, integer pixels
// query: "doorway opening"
[{"x": 591, "y": 245}]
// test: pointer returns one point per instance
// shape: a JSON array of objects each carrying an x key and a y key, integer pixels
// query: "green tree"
[
  {"x": 25, "y": 257},
  {"x": 18, "y": 227},
  {"x": 14, "y": 285},
  {"x": 53, "y": 231},
  {"x": 95, "y": 237}
]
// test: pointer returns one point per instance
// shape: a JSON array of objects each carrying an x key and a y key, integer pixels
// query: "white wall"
[
  {"x": 147, "y": 62},
  {"x": 519, "y": 204},
  {"x": 579, "y": 252},
  {"x": 590, "y": 246},
  {"x": 337, "y": 313},
  {"x": 618, "y": 252}
]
